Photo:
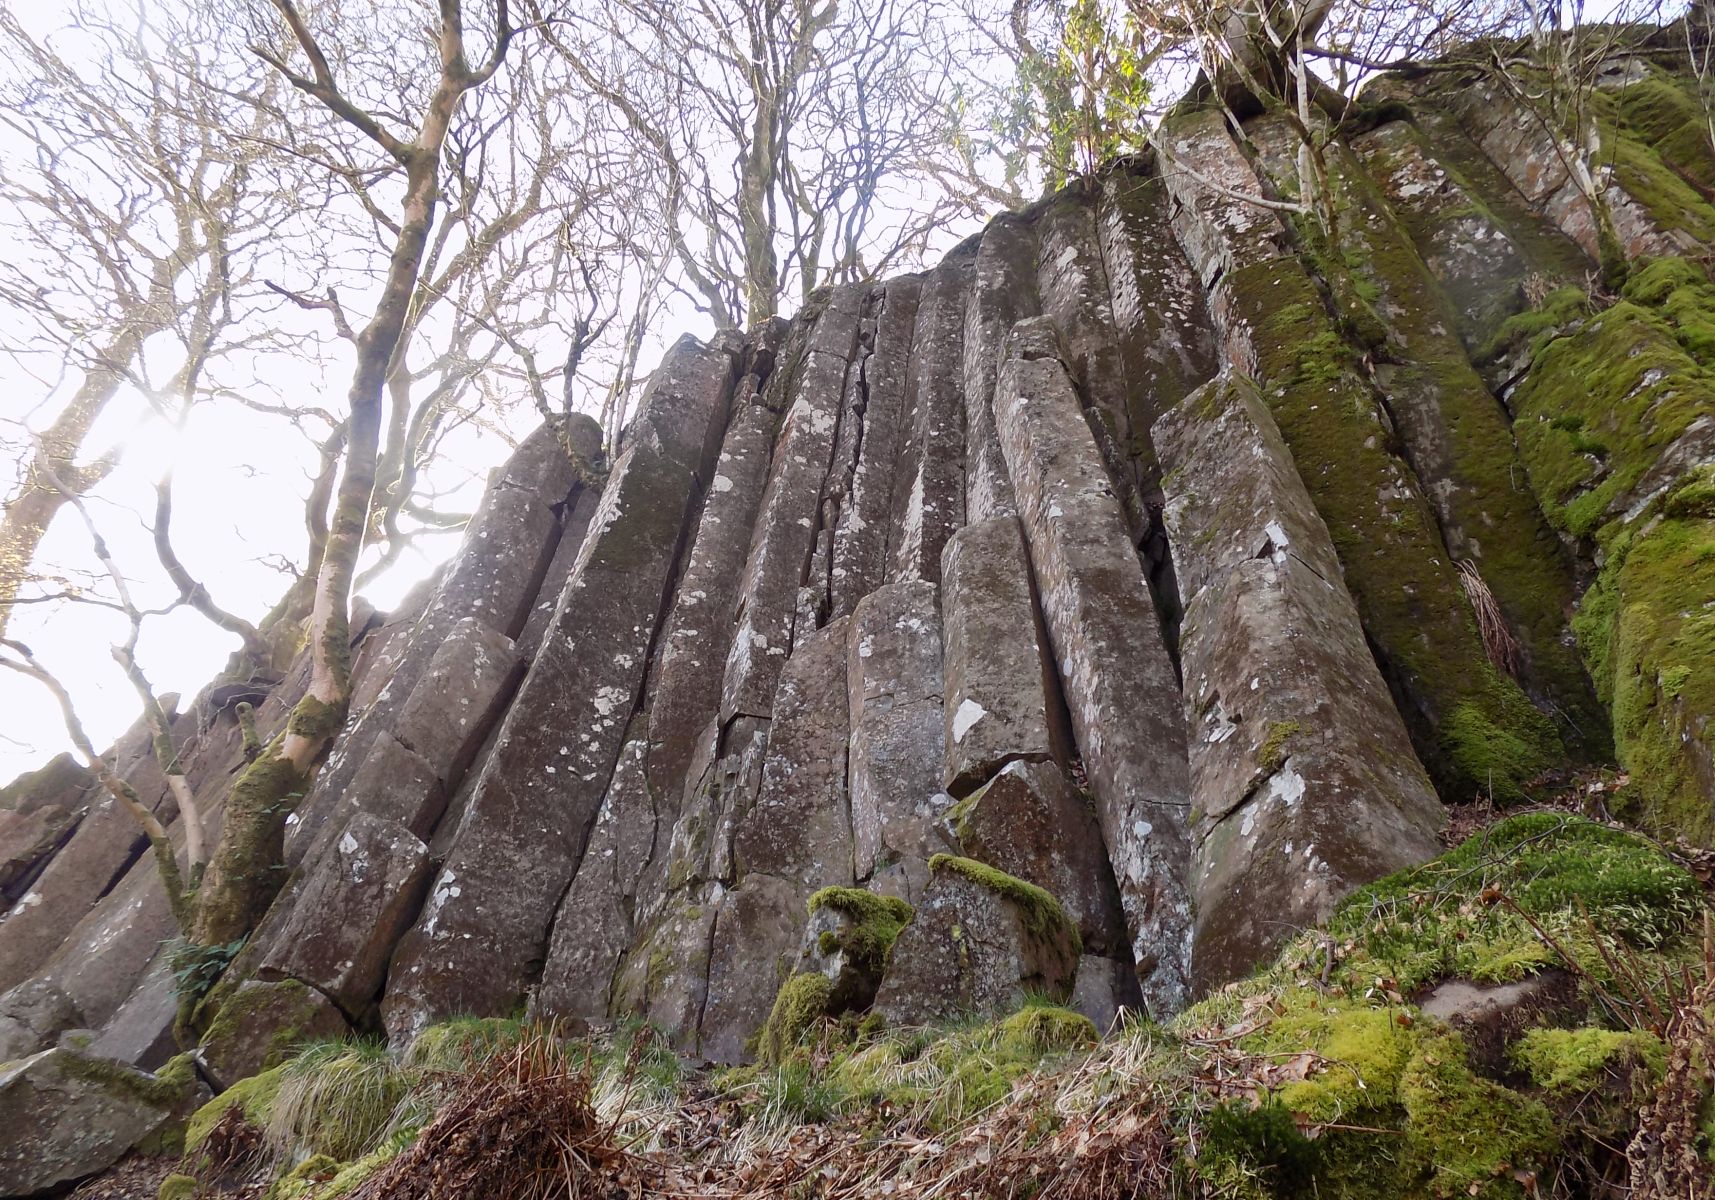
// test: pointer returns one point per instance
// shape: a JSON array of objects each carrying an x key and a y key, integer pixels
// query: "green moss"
[
  {"x": 1580, "y": 1060},
  {"x": 1390, "y": 546},
  {"x": 313, "y": 718},
  {"x": 1693, "y": 498},
  {"x": 1039, "y": 1029},
  {"x": 254, "y": 1097},
  {"x": 170, "y": 1090},
  {"x": 177, "y": 1187},
  {"x": 457, "y": 1043},
  {"x": 873, "y": 923},
  {"x": 798, "y": 1008},
  {"x": 1535, "y": 327},
  {"x": 1244, "y": 1147},
  {"x": 1273, "y": 749},
  {"x": 354, "y": 1175},
  {"x": 1469, "y": 1132},
  {"x": 1569, "y": 876},
  {"x": 1043, "y": 916},
  {"x": 286, "y": 1005},
  {"x": 1458, "y": 441},
  {"x": 305, "y": 1180},
  {"x": 1671, "y": 202}
]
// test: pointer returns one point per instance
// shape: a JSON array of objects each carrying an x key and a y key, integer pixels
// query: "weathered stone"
[
  {"x": 785, "y": 534},
  {"x": 32, "y": 1015},
  {"x": 753, "y": 945},
  {"x": 1521, "y": 145},
  {"x": 1220, "y": 235},
  {"x": 594, "y": 926},
  {"x": 27, "y": 841},
  {"x": 862, "y": 530},
  {"x": 103, "y": 846},
  {"x": 520, "y": 838},
  {"x": 540, "y": 464},
  {"x": 1031, "y": 823},
  {"x": 1483, "y": 253},
  {"x": 799, "y": 828},
  {"x": 981, "y": 942},
  {"x": 259, "y": 1026},
  {"x": 1002, "y": 291},
  {"x": 1276, "y": 327},
  {"x": 895, "y": 760},
  {"x": 722, "y": 787},
  {"x": 492, "y": 581},
  {"x": 1119, "y": 682},
  {"x": 847, "y": 941},
  {"x": 357, "y": 901},
  {"x": 929, "y": 486},
  {"x": 1074, "y": 287},
  {"x": 452, "y": 706},
  {"x": 140, "y": 1032},
  {"x": 664, "y": 980},
  {"x": 106, "y": 953},
  {"x": 575, "y": 520},
  {"x": 1106, "y": 992},
  {"x": 65, "y": 1115},
  {"x": 1160, "y": 325},
  {"x": 996, "y": 706},
  {"x": 61, "y": 783},
  {"x": 699, "y": 631},
  {"x": 1304, "y": 784},
  {"x": 396, "y": 783}
]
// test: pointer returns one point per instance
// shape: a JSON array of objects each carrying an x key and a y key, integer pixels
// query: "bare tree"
[
  {"x": 786, "y": 136},
  {"x": 135, "y": 226},
  {"x": 242, "y": 874}
]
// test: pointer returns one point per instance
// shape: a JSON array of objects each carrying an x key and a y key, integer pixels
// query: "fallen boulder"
[
  {"x": 981, "y": 942},
  {"x": 65, "y": 1115}
]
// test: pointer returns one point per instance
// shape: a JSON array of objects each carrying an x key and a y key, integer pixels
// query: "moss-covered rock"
[
  {"x": 1473, "y": 727},
  {"x": 800, "y": 1005},
  {"x": 252, "y": 1097},
  {"x": 260, "y": 1024},
  {"x": 177, "y": 1187},
  {"x": 850, "y": 934},
  {"x": 1615, "y": 421}
]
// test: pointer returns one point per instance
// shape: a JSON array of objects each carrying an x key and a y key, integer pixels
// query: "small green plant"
[{"x": 196, "y": 968}]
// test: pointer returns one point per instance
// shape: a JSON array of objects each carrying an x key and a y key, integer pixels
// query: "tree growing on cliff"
[{"x": 230, "y": 884}]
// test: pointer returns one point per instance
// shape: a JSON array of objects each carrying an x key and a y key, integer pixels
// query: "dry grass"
[
  {"x": 1498, "y": 641},
  {"x": 520, "y": 1125},
  {"x": 1663, "y": 1156}
]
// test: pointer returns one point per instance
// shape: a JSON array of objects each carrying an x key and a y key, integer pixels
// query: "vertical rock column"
[
  {"x": 1106, "y": 639},
  {"x": 894, "y": 676},
  {"x": 861, "y": 532},
  {"x": 483, "y": 930},
  {"x": 1471, "y": 723},
  {"x": 810, "y": 389},
  {"x": 1002, "y": 292},
  {"x": 1303, "y": 781},
  {"x": 929, "y": 491},
  {"x": 622, "y": 877}
]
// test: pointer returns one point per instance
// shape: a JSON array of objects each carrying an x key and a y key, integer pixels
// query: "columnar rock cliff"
[{"x": 1158, "y": 549}]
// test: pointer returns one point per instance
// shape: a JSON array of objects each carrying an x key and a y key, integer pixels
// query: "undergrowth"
[{"x": 1321, "y": 1075}]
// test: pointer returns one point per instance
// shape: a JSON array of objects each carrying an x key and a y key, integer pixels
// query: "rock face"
[
  {"x": 1135, "y": 553},
  {"x": 64, "y": 1115},
  {"x": 1303, "y": 783}
]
